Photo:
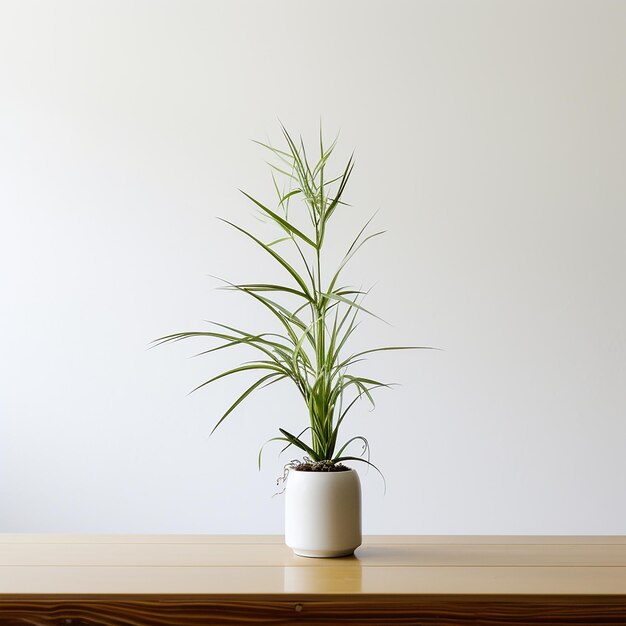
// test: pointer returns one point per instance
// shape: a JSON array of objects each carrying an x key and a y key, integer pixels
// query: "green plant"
[{"x": 310, "y": 349}]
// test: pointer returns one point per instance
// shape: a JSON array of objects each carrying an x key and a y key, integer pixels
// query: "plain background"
[{"x": 491, "y": 138}]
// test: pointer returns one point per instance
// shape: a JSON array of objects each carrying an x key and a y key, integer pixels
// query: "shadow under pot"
[{"x": 323, "y": 513}]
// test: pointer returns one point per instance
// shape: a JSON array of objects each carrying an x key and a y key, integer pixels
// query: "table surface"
[{"x": 262, "y": 565}]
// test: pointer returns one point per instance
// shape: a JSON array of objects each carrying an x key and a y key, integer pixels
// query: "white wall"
[{"x": 492, "y": 137}]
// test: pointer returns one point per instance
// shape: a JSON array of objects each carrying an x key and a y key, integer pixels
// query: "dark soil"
[{"x": 321, "y": 467}]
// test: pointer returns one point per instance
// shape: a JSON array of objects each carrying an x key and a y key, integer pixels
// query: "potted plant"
[{"x": 316, "y": 316}]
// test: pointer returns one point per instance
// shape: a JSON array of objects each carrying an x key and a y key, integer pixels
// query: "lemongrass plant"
[{"x": 311, "y": 348}]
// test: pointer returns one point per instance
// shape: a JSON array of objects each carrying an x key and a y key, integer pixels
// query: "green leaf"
[
  {"x": 290, "y": 228},
  {"x": 272, "y": 149},
  {"x": 275, "y": 255},
  {"x": 277, "y": 241},
  {"x": 289, "y": 195},
  {"x": 241, "y": 398},
  {"x": 366, "y": 445},
  {"x": 256, "y": 287},
  {"x": 297, "y": 437},
  {"x": 350, "y": 360},
  {"x": 278, "y": 169},
  {"x": 269, "y": 441},
  {"x": 300, "y": 444},
  {"x": 237, "y": 370},
  {"x": 351, "y": 303},
  {"x": 360, "y": 460}
]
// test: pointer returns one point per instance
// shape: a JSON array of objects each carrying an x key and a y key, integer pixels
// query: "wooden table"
[{"x": 185, "y": 580}]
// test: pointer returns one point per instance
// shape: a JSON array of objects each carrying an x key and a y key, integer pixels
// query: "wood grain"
[
  {"x": 387, "y": 611},
  {"x": 279, "y": 555},
  {"x": 154, "y": 580}
]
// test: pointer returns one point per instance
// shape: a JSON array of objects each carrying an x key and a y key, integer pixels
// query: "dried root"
[{"x": 306, "y": 465}]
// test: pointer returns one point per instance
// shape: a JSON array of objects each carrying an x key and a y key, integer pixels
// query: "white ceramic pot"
[{"x": 323, "y": 513}]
